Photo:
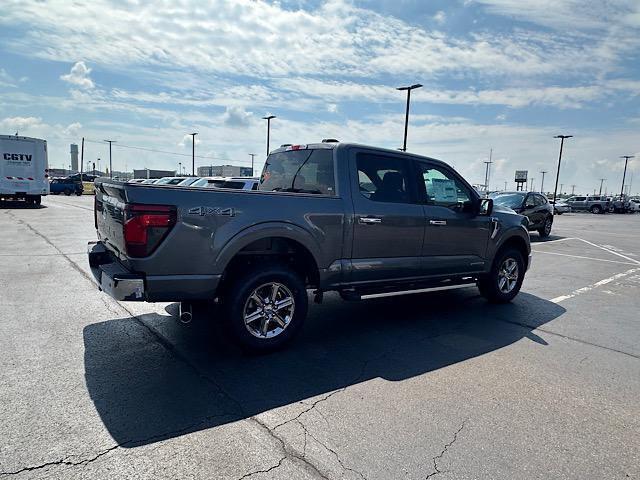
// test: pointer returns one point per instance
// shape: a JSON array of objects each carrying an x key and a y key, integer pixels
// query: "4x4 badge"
[{"x": 202, "y": 211}]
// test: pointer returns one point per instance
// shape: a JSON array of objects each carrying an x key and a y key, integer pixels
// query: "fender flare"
[{"x": 260, "y": 231}]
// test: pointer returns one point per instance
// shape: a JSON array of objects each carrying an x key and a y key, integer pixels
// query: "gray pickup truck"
[{"x": 329, "y": 216}]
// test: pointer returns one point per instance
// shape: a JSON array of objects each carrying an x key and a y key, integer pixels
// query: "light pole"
[
  {"x": 252, "y": 155},
  {"x": 542, "y": 184},
  {"x": 486, "y": 173},
  {"x": 406, "y": 116},
  {"x": 505, "y": 186},
  {"x": 561, "y": 185},
  {"x": 601, "y": 182},
  {"x": 555, "y": 189},
  {"x": 179, "y": 168},
  {"x": 626, "y": 160},
  {"x": 99, "y": 165},
  {"x": 193, "y": 154},
  {"x": 268, "y": 118},
  {"x": 573, "y": 189},
  {"x": 531, "y": 187},
  {"x": 110, "y": 163}
]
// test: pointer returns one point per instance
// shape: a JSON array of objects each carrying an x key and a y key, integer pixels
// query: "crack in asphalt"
[
  {"x": 277, "y": 465},
  {"x": 64, "y": 461},
  {"x": 435, "y": 459}
]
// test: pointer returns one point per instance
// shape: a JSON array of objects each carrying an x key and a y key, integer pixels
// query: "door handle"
[
  {"x": 437, "y": 222},
  {"x": 369, "y": 220}
]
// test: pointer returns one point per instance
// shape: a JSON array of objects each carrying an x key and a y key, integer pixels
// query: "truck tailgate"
[{"x": 110, "y": 203}]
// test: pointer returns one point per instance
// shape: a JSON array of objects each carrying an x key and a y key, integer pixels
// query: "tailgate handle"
[
  {"x": 370, "y": 220},
  {"x": 437, "y": 222}
]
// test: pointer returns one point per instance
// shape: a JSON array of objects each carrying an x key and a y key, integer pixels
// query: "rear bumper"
[{"x": 115, "y": 279}]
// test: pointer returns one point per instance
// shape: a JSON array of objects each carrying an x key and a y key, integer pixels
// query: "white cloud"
[
  {"x": 237, "y": 117},
  {"x": 332, "y": 108},
  {"x": 24, "y": 125},
  {"x": 79, "y": 75},
  {"x": 440, "y": 17},
  {"x": 72, "y": 129},
  {"x": 6, "y": 80}
]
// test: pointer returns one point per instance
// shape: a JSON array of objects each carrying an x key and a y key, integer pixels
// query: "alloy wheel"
[
  {"x": 508, "y": 275},
  {"x": 268, "y": 310}
]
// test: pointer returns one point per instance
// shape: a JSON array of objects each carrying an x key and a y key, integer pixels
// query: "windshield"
[
  {"x": 511, "y": 200},
  {"x": 301, "y": 171}
]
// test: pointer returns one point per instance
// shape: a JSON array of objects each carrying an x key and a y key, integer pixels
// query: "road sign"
[{"x": 521, "y": 175}]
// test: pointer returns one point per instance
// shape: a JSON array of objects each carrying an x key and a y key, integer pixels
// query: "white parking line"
[
  {"x": 636, "y": 262},
  {"x": 585, "y": 258},
  {"x": 588, "y": 288}
]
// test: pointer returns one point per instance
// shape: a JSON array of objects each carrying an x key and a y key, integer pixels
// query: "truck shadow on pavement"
[
  {"x": 19, "y": 205},
  {"x": 152, "y": 379}
]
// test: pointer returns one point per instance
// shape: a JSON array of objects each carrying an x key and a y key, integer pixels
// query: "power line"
[{"x": 154, "y": 150}]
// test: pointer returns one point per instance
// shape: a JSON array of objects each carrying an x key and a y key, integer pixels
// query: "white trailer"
[{"x": 24, "y": 168}]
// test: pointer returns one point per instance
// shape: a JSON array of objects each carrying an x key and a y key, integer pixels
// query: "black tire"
[
  {"x": 79, "y": 193},
  {"x": 596, "y": 209},
  {"x": 67, "y": 192},
  {"x": 37, "y": 200},
  {"x": 545, "y": 230},
  {"x": 489, "y": 284},
  {"x": 238, "y": 298}
]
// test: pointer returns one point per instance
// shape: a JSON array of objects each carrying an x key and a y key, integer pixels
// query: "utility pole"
[
  {"x": 531, "y": 187},
  {"x": 601, "y": 182},
  {"x": 626, "y": 160},
  {"x": 193, "y": 154},
  {"x": 268, "y": 118},
  {"x": 99, "y": 165},
  {"x": 486, "y": 173},
  {"x": 555, "y": 190},
  {"x": 252, "y": 155},
  {"x": 81, "y": 158},
  {"x": 179, "y": 168},
  {"x": 542, "y": 184},
  {"x": 573, "y": 189},
  {"x": 110, "y": 163},
  {"x": 406, "y": 115},
  {"x": 561, "y": 185},
  {"x": 505, "y": 186}
]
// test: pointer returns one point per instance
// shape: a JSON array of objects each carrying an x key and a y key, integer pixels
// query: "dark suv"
[{"x": 532, "y": 205}]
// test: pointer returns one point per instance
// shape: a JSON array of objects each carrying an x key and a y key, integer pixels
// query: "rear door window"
[
  {"x": 383, "y": 178},
  {"x": 299, "y": 171}
]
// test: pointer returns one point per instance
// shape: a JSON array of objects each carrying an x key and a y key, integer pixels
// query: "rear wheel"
[
  {"x": 504, "y": 280},
  {"x": 266, "y": 307},
  {"x": 79, "y": 192},
  {"x": 545, "y": 231},
  {"x": 67, "y": 192},
  {"x": 596, "y": 209}
]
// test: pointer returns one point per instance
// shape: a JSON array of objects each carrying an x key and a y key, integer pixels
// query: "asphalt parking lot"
[{"x": 439, "y": 385}]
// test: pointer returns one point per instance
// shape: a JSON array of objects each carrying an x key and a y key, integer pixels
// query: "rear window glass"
[{"x": 300, "y": 171}]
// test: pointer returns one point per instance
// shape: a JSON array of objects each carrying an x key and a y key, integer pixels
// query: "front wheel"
[
  {"x": 79, "y": 193},
  {"x": 504, "y": 280},
  {"x": 266, "y": 307},
  {"x": 545, "y": 231}
]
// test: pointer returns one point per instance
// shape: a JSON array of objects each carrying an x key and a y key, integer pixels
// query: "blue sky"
[{"x": 501, "y": 74}]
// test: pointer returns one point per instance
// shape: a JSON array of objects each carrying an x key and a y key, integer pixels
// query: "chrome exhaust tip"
[{"x": 185, "y": 313}]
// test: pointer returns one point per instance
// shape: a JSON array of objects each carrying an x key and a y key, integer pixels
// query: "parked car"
[
  {"x": 170, "y": 180},
  {"x": 634, "y": 205},
  {"x": 327, "y": 217},
  {"x": 66, "y": 186},
  {"x": 239, "y": 183},
  {"x": 137, "y": 180},
  {"x": 532, "y": 205},
  {"x": 560, "y": 207},
  {"x": 619, "y": 205},
  {"x": 593, "y": 204},
  {"x": 188, "y": 181},
  {"x": 149, "y": 181}
]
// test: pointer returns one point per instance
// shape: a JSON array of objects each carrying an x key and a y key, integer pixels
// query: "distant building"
[
  {"x": 149, "y": 173},
  {"x": 224, "y": 171},
  {"x": 74, "y": 157}
]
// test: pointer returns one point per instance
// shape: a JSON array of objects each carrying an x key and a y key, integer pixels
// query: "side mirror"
[{"x": 486, "y": 207}]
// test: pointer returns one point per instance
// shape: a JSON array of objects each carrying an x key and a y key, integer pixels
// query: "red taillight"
[{"x": 145, "y": 226}]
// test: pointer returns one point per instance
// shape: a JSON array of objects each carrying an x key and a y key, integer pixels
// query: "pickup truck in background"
[
  {"x": 592, "y": 203},
  {"x": 329, "y": 216}
]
